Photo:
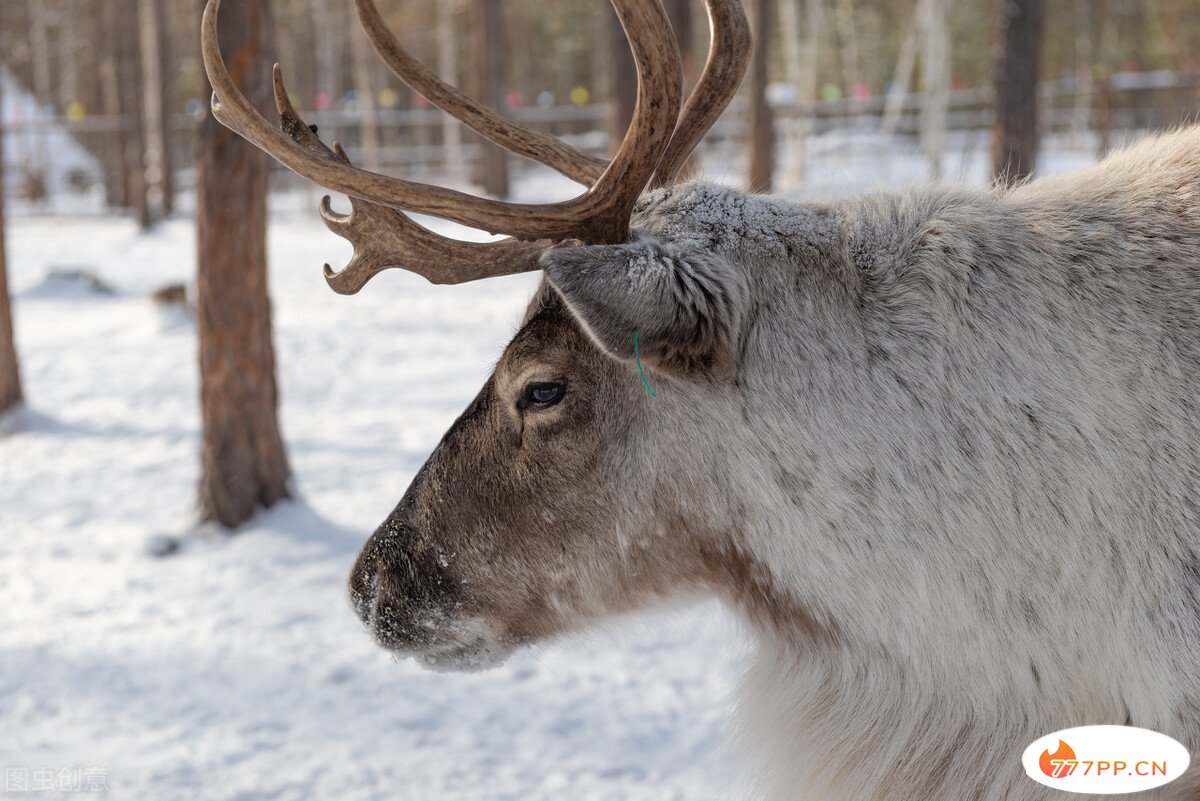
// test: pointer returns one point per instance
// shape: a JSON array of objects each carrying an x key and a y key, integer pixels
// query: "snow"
[
  {"x": 32, "y": 138},
  {"x": 234, "y": 667}
]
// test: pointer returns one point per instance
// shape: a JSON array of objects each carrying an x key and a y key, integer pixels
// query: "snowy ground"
[{"x": 235, "y": 669}]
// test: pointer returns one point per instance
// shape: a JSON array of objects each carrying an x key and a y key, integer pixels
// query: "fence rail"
[{"x": 52, "y": 156}]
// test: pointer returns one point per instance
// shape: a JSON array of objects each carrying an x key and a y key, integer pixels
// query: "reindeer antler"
[{"x": 383, "y": 236}]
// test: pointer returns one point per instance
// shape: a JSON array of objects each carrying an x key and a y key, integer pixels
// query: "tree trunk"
[
  {"x": 801, "y": 59},
  {"x": 622, "y": 83},
  {"x": 364, "y": 89},
  {"x": 125, "y": 41},
  {"x": 679, "y": 12},
  {"x": 10, "y": 374},
  {"x": 452, "y": 133},
  {"x": 1015, "y": 133},
  {"x": 761, "y": 139},
  {"x": 39, "y": 44},
  {"x": 117, "y": 168},
  {"x": 328, "y": 28},
  {"x": 242, "y": 456},
  {"x": 492, "y": 169},
  {"x": 154, "y": 121},
  {"x": 936, "y": 74},
  {"x": 1082, "y": 107},
  {"x": 893, "y": 106},
  {"x": 848, "y": 41}
]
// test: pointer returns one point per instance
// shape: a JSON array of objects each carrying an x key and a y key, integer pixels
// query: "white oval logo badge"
[{"x": 1105, "y": 760}]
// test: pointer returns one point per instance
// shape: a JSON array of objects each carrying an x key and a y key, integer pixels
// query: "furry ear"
[{"x": 686, "y": 306}]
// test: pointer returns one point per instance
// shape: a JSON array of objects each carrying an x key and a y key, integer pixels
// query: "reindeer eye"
[{"x": 542, "y": 395}]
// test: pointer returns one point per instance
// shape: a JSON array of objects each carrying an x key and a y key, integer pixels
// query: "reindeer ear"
[{"x": 686, "y": 306}]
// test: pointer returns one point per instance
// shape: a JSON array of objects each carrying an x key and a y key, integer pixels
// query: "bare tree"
[
  {"x": 1084, "y": 57},
  {"x": 117, "y": 168},
  {"x": 622, "y": 73},
  {"x": 242, "y": 457},
  {"x": 329, "y": 32},
  {"x": 364, "y": 90},
  {"x": 1015, "y": 133},
  {"x": 761, "y": 141},
  {"x": 452, "y": 134},
  {"x": 622, "y": 81},
  {"x": 801, "y": 52},
  {"x": 10, "y": 374},
  {"x": 843, "y": 16},
  {"x": 679, "y": 12},
  {"x": 492, "y": 168},
  {"x": 123, "y": 96},
  {"x": 39, "y": 41},
  {"x": 935, "y": 70},
  {"x": 902, "y": 76},
  {"x": 154, "y": 119}
]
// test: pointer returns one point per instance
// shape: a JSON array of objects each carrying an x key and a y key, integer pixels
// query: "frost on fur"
[{"x": 939, "y": 449}]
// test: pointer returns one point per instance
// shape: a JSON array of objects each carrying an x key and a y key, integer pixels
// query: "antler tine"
[
  {"x": 600, "y": 215},
  {"x": 553, "y": 152},
  {"x": 384, "y": 238},
  {"x": 728, "y": 59},
  {"x": 236, "y": 112}
]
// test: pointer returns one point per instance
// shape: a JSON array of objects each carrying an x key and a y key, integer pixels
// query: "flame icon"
[{"x": 1061, "y": 757}]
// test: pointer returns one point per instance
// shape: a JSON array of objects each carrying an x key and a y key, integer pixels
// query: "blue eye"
[{"x": 542, "y": 395}]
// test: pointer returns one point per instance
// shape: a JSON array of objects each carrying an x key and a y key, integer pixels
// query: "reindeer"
[{"x": 938, "y": 449}]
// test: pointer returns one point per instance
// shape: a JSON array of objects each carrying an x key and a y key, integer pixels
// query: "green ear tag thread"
[{"x": 641, "y": 371}]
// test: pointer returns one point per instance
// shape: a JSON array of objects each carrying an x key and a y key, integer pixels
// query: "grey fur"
[
  {"x": 949, "y": 471},
  {"x": 686, "y": 305}
]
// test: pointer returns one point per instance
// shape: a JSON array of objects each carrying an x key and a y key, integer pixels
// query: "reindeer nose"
[
  {"x": 385, "y": 592},
  {"x": 364, "y": 581},
  {"x": 381, "y": 564},
  {"x": 383, "y": 551},
  {"x": 396, "y": 590}
]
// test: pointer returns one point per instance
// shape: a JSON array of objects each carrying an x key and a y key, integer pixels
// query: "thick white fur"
[{"x": 968, "y": 443}]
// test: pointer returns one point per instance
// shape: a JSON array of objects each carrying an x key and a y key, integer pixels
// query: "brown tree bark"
[
  {"x": 1015, "y": 133},
  {"x": 242, "y": 456},
  {"x": 10, "y": 374},
  {"x": 159, "y": 76},
  {"x": 117, "y": 167},
  {"x": 761, "y": 138},
  {"x": 123, "y": 78},
  {"x": 622, "y": 83},
  {"x": 155, "y": 167},
  {"x": 488, "y": 16},
  {"x": 935, "y": 75},
  {"x": 364, "y": 88},
  {"x": 680, "y": 14}
]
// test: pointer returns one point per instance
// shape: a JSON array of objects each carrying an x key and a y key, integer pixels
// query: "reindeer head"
[{"x": 555, "y": 497}]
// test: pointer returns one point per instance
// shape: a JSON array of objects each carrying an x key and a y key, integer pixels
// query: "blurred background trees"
[
  {"x": 1015, "y": 141},
  {"x": 106, "y": 112},
  {"x": 123, "y": 78},
  {"x": 10, "y": 375}
]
